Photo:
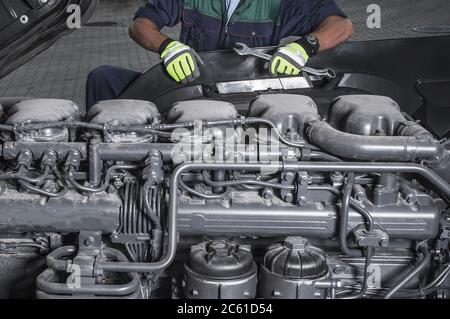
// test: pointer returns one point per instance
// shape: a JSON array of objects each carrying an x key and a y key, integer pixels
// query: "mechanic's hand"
[
  {"x": 289, "y": 60},
  {"x": 181, "y": 62}
]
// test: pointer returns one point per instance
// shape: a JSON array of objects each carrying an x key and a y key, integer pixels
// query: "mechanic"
[{"x": 218, "y": 24}]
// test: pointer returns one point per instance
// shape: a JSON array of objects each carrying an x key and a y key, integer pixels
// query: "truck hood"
[{"x": 28, "y": 27}]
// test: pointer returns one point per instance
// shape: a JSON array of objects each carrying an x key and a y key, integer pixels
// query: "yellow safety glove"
[
  {"x": 291, "y": 58},
  {"x": 180, "y": 61}
]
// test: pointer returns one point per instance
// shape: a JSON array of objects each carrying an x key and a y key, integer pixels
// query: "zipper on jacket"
[{"x": 231, "y": 17}]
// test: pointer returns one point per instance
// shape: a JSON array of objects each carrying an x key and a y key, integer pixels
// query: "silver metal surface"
[
  {"x": 329, "y": 73},
  {"x": 289, "y": 83}
]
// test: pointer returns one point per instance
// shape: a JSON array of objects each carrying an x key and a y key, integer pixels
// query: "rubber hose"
[{"x": 410, "y": 275}]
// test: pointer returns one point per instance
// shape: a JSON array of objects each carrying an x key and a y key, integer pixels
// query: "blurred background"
[{"x": 61, "y": 71}]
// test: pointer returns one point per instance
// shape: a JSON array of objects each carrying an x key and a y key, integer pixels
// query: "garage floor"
[{"x": 60, "y": 72}]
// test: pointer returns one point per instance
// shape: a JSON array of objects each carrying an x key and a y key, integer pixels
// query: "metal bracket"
[
  {"x": 9, "y": 248},
  {"x": 376, "y": 238},
  {"x": 129, "y": 238},
  {"x": 302, "y": 188}
]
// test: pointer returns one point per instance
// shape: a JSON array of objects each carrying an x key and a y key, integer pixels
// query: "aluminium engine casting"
[{"x": 204, "y": 201}]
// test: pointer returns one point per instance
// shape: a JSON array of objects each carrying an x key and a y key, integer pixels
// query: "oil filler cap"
[
  {"x": 295, "y": 258},
  {"x": 220, "y": 269},
  {"x": 293, "y": 269},
  {"x": 221, "y": 259}
]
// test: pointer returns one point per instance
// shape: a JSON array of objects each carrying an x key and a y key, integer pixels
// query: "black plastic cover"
[
  {"x": 201, "y": 110},
  {"x": 222, "y": 259},
  {"x": 42, "y": 111},
  {"x": 295, "y": 258},
  {"x": 287, "y": 111},
  {"x": 124, "y": 112},
  {"x": 366, "y": 115}
]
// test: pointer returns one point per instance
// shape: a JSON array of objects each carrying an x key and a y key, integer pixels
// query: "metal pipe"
[
  {"x": 167, "y": 260},
  {"x": 55, "y": 258},
  {"x": 45, "y": 283},
  {"x": 106, "y": 151},
  {"x": 43, "y": 192},
  {"x": 271, "y": 124},
  {"x": 343, "y": 223},
  {"x": 431, "y": 287},
  {"x": 219, "y": 176},
  {"x": 353, "y": 203},
  {"x": 134, "y": 152},
  {"x": 420, "y": 170},
  {"x": 107, "y": 182},
  {"x": 95, "y": 163},
  {"x": 410, "y": 275},
  {"x": 370, "y": 251},
  {"x": 382, "y": 148},
  {"x": 130, "y": 152}
]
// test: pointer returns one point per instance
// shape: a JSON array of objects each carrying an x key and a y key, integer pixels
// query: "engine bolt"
[
  {"x": 111, "y": 189},
  {"x": 194, "y": 292},
  {"x": 302, "y": 201},
  {"x": 276, "y": 293},
  {"x": 337, "y": 270},
  {"x": 200, "y": 188},
  {"x": 267, "y": 193},
  {"x": 360, "y": 197},
  {"x": 411, "y": 199},
  {"x": 383, "y": 242},
  {"x": 89, "y": 241},
  {"x": 337, "y": 177},
  {"x": 288, "y": 198}
]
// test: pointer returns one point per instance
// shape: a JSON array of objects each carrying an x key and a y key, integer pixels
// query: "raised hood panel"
[{"x": 28, "y": 27}]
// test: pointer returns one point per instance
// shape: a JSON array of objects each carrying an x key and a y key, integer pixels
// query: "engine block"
[{"x": 206, "y": 202}]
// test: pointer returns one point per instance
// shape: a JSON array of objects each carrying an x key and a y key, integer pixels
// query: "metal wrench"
[{"x": 244, "y": 50}]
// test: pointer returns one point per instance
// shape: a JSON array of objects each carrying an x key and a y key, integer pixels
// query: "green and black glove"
[
  {"x": 291, "y": 58},
  {"x": 180, "y": 61}
]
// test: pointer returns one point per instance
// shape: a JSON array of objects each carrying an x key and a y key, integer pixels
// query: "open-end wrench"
[{"x": 243, "y": 49}]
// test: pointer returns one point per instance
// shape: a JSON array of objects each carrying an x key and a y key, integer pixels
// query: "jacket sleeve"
[
  {"x": 164, "y": 13},
  {"x": 300, "y": 17},
  {"x": 323, "y": 10}
]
